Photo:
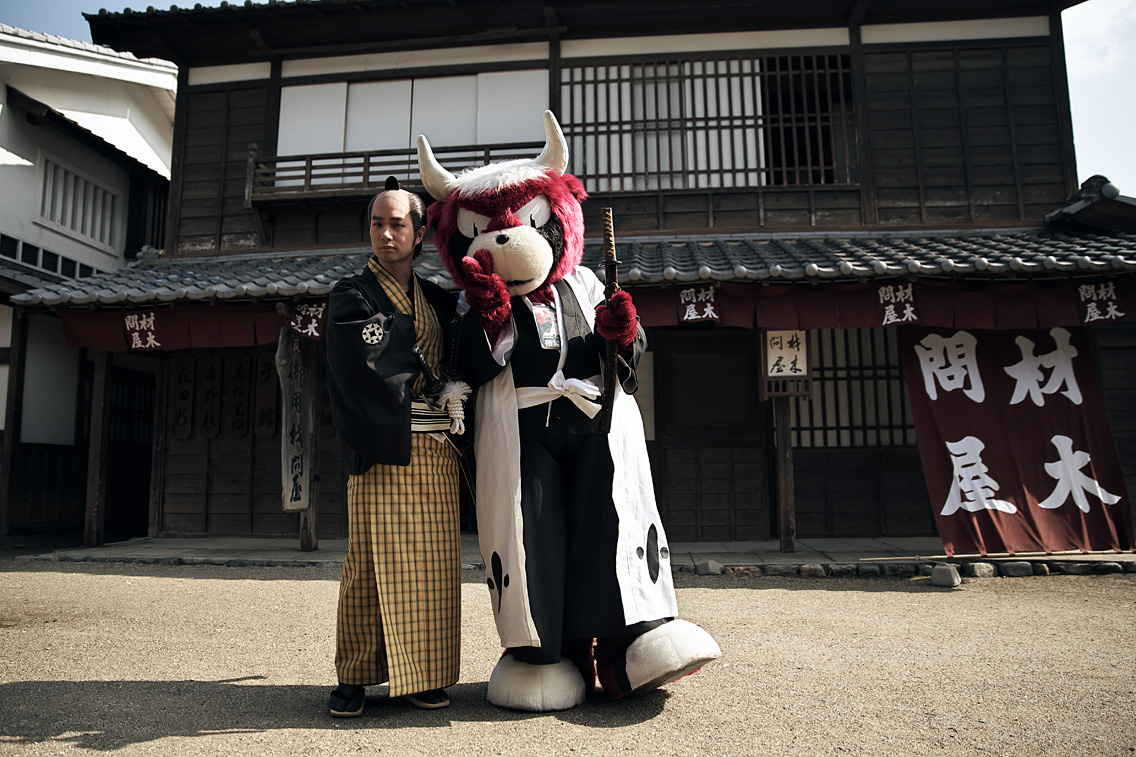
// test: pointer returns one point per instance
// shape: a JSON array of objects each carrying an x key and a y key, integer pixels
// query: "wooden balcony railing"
[{"x": 298, "y": 178}]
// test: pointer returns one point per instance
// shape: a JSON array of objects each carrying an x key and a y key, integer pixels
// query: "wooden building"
[
  {"x": 774, "y": 159},
  {"x": 85, "y": 141}
]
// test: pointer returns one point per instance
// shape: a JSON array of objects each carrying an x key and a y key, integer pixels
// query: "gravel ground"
[{"x": 140, "y": 659}]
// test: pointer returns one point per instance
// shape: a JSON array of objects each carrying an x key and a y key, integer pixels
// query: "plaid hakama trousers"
[{"x": 399, "y": 596}]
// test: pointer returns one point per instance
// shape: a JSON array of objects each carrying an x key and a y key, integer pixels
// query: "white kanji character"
[
  {"x": 686, "y": 295},
  {"x": 890, "y": 316},
  {"x": 709, "y": 311},
  {"x": 146, "y": 322},
  {"x": 1092, "y": 313},
  {"x": 950, "y": 361},
  {"x": 691, "y": 313},
  {"x": 706, "y": 294},
  {"x": 1113, "y": 312},
  {"x": 909, "y": 313},
  {"x": 1107, "y": 291},
  {"x": 151, "y": 340},
  {"x": 1087, "y": 292},
  {"x": 312, "y": 329},
  {"x": 887, "y": 294},
  {"x": 1028, "y": 375},
  {"x": 132, "y": 322},
  {"x": 904, "y": 294},
  {"x": 1067, "y": 472},
  {"x": 136, "y": 341},
  {"x": 972, "y": 488}
]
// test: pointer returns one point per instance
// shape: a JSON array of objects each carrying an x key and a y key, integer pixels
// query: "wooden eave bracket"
[{"x": 857, "y": 12}]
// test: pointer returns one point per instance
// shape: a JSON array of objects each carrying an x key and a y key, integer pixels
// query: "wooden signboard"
[
  {"x": 785, "y": 364},
  {"x": 296, "y": 448}
]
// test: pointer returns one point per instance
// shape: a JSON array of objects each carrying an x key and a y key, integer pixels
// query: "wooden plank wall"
[
  {"x": 1115, "y": 351},
  {"x": 715, "y": 493},
  {"x": 748, "y": 209},
  {"x": 48, "y": 486},
  {"x": 961, "y": 134},
  {"x": 221, "y": 471},
  {"x": 965, "y": 134},
  {"x": 220, "y": 124},
  {"x": 865, "y": 491}
]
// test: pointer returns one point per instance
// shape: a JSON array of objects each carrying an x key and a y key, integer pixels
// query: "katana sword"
[{"x": 611, "y": 281}]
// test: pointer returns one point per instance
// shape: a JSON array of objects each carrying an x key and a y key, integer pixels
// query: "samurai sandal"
[
  {"x": 429, "y": 700},
  {"x": 346, "y": 701}
]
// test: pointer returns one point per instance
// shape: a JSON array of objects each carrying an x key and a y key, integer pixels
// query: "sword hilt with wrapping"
[{"x": 611, "y": 279}]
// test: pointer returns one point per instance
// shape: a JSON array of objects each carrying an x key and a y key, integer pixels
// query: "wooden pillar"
[
  {"x": 869, "y": 212},
  {"x": 98, "y": 443},
  {"x": 554, "y": 85},
  {"x": 314, "y": 378},
  {"x": 1064, "y": 107},
  {"x": 158, "y": 447},
  {"x": 786, "y": 505},
  {"x": 13, "y": 415},
  {"x": 309, "y": 527}
]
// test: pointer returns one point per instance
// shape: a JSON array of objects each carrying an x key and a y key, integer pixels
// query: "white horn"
[
  {"x": 555, "y": 152},
  {"x": 438, "y": 181}
]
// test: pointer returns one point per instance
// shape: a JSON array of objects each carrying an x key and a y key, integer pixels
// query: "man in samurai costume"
[
  {"x": 399, "y": 612},
  {"x": 577, "y": 561}
]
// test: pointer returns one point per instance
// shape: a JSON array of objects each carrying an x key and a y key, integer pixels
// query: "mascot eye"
[
  {"x": 535, "y": 212},
  {"x": 471, "y": 224}
]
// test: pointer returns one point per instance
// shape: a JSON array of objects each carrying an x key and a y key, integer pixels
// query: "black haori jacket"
[{"x": 371, "y": 368}]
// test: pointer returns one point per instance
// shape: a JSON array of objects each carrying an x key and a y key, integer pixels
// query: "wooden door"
[{"x": 710, "y": 425}]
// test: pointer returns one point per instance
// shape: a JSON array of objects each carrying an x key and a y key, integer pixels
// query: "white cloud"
[{"x": 1099, "y": 36}]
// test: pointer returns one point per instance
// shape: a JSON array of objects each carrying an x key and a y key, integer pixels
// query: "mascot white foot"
[
  {"x": 535, "y": 688},
  {"x": 667, "y": 653}
]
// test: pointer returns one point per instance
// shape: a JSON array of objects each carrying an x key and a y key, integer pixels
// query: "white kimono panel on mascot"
[{"x": 576, "y": 557}]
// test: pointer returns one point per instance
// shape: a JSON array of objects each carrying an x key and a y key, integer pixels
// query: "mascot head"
[{"x": 525, "y": 213}]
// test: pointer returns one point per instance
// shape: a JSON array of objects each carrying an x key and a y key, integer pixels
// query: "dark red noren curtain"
[
  {"x": 176, "y": 328},
  {"x": 1014, "y": 440}
]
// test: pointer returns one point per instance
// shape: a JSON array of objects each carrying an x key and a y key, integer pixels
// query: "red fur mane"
[{"x": 564, "y": 193}]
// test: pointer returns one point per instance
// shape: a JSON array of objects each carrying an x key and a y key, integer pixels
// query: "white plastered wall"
[
  {"x": 51, "y": 379},
  {"x": 26, "y": 147}
]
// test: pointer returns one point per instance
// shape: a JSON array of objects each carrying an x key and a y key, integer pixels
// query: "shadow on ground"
[{"x": 108, "y": 715}]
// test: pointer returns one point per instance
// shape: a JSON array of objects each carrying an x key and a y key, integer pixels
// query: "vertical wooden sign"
[
  {"x": 265, "y": 385},
  {"x": 208, "y": 395},
  {"x": 236, "y": 399},
  {"x": 181, "y": 396},
  {"x": 296, "y": 427}
]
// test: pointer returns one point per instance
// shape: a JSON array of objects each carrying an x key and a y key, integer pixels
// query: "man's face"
[{"x": 392, "y": 232}]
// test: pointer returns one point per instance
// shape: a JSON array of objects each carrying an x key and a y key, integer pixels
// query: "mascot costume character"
[{"x": 576, "y": 558}]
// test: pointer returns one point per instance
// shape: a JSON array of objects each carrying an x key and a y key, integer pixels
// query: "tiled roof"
[
  {"x": 1020, "y": 255},
  {"x": 25, "y": 277},
  {"x": 85, "y": 47}
]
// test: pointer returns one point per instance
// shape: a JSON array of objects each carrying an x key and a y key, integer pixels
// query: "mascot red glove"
[
  {"x": 486, "y": 293},
  {"x": 618, "y": 322}
]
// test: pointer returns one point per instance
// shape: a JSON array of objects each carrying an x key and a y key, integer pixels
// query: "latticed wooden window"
[
  {"x": 78, "y": 205},
  {"x": 711, "y": 122},
  {"x": 858, "y": 394}
]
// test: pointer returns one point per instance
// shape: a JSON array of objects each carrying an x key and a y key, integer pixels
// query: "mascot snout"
[{"x": 521, "y": 256}]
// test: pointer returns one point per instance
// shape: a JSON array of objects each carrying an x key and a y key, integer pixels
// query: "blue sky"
[{"x": 1100, "y": 46}]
